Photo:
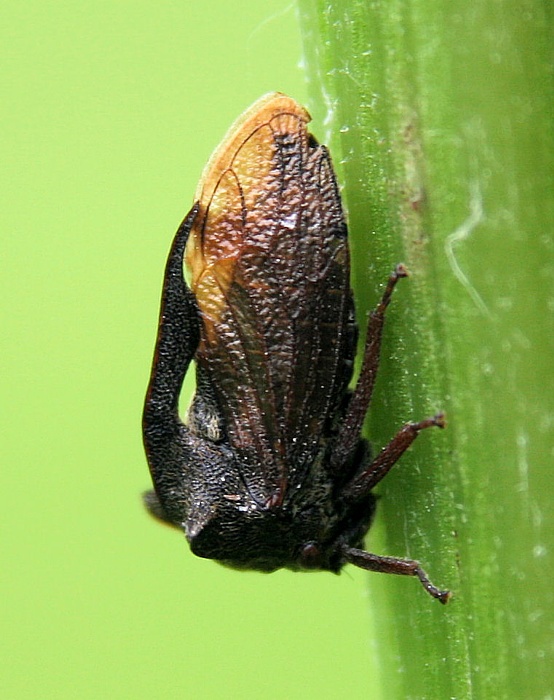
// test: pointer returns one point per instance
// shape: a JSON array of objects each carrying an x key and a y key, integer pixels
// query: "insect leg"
[
  {"x": 362, "y": 484},
  {"x": 349, "y": 433},
  {"x": 392, "y": 565}
]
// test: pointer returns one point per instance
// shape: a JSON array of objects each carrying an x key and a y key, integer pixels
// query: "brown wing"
[{"x": 270, "y": 271}]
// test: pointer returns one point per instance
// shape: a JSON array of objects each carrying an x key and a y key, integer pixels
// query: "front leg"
[{"x": 392, "y": 565}]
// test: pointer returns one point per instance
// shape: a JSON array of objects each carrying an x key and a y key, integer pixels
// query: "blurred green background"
[{"x": 110, "y": 111}]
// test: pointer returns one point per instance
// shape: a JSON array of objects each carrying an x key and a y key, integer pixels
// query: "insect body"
[{"x": 269, "y": 469}]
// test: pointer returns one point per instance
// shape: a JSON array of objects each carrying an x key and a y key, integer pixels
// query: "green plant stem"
[{"x": 440, "y": 121}]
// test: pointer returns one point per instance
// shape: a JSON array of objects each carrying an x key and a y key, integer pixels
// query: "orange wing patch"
[{"x": 232, "y": 193}]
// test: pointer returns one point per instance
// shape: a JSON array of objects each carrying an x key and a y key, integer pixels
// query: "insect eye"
[{"x": 310, "y": 556}]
